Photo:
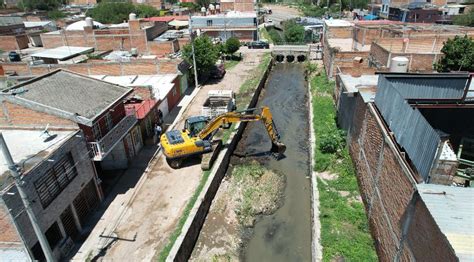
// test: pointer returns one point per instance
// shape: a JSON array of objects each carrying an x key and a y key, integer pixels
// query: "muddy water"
[{"x": 285, "y": 235}]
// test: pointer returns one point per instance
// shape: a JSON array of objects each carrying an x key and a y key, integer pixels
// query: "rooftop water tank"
[
  {"x": 399, "y": 64},
  {"x": 212, "y": 7},
  {"x": 132, "y": 16},
  {"x": 89, "y": 22},
  {"x": 203, "y": 9}
]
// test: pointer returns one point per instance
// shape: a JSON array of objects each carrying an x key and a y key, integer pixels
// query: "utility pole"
[
  {"x": 15, "y": 172},
  {"x": 192, "y": 49}
]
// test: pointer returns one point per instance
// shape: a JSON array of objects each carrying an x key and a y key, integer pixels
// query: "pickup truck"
[{"x": 218, "y": 102}]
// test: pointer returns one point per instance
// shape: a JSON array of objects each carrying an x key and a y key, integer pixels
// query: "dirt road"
[{"x": 141, "y": 227}]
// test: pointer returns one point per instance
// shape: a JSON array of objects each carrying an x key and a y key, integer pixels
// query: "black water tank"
[{"x": 14, "y": 56}]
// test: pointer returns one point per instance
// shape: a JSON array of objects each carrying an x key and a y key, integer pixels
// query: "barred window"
[{"x": 50, "y": 185}]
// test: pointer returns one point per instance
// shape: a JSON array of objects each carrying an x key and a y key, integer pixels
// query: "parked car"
[{"x": 258, "y": 45}]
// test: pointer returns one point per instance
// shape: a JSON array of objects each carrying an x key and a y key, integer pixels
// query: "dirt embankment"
[{"x": 250, "y": 191}]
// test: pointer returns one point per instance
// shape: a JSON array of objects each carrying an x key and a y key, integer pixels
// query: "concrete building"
[
  {"x": 64, "y": 99},
  {"x": 61, "y": 183},
  {"x": 226, "y": 25},
  {"x": 410, "y": 143},
  {"x": 12, "y": 33}
]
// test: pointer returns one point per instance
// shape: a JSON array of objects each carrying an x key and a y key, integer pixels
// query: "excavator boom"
[{"x": 234, "y": 117}]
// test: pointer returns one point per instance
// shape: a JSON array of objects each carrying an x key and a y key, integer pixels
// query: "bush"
[
  {"x": 275, "y": 36},
  {"x": 232, "y": 45},
  {"x": 332, "y": 142},
  {"x": 294, "y": 33}
]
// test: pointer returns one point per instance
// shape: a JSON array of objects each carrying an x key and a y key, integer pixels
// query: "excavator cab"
[{"x": 195, "y": 124}]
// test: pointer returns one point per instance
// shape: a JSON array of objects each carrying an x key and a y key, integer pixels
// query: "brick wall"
[
  {"x": 82, "y": 2},
  {"x": 12, "y": 115},
  {"x": 145, "y": 67},
  {"x": 8, "y": 43},
  {"x": 161, "y": 48},
  {"x": 174, "y": 95},
  {"x": 338, "y": 32},
  {"x": 388, "y": 190},
  {"x": 379, "y": 56}
]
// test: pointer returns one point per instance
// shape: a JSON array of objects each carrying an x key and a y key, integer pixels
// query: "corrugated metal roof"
[
  {"x": 410, "y": 128},
  {"x": 453, "y": 211},
  {"x": 430, "y": 86}
]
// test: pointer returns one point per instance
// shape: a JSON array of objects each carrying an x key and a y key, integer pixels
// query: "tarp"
[{"x": 370, "y": 17}]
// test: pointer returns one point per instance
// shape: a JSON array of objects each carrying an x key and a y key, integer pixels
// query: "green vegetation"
[
  {"x": 56, "y": 14},
  {"x": 117, "y": 12},
  {"x": 344, "y": 228},
  {"x": 190, "y": 6},
  {"x": 256, "y": 190},
  {"x": 294, "y": 33},
  {"x": 206, "y": 55},
  {"x": 466, "y": 19},
  {"x": 29, "y": 5},
  {"x": 229, "y": 64},
  {"x": 248, "y": 87},
  {"x": 264, "y": 35},
  {"x": 458, "y": 55},
  {"x": 232, "y": 45},
  {"x": 179, "y": 227},
  {"x": 275, "y": 36}
]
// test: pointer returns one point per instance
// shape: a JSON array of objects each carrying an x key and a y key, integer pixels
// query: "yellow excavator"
[{"x": 196, "y": 137}]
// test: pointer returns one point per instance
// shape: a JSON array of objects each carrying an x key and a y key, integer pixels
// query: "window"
[
  {"x": 108, "y": 121},
  {"x": 53, "y": 235},
  {"x": 96, "y": 131},
  {"x": 50, "y": 185},
  {"x": 209, "y": 22},
  {"x": 461, "y": 10}
]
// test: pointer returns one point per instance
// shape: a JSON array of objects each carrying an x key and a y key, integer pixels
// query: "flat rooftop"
[
  {"x": 453, "y": 211},
  {"x": 63, "y": 52},
  {"x": 365, "y": 85},
  {"x": 29, "y": 147},
  {"x": 337, "y": 23},
  {"x": 230, "y": 14},
  {"x": 348, "y": 45},
  {"x": 160, "y": 84}
]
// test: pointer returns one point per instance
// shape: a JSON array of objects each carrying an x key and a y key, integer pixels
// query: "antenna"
[{"x": 49, "y": 137}]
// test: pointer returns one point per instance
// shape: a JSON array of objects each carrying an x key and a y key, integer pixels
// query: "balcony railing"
[{"x": 100, "y": 149}]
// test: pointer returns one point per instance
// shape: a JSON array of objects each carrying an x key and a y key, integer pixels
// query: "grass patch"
[
  {"x": 179, "y": 227},
  {"x": 229, "y": 64},
  {"x": 247, "y": 89},
  {"x": 265, "y": 35},
  {"x": 344, "y": 227}
]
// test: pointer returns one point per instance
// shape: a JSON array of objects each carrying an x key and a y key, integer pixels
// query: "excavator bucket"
[{"x": 278, "y": 148}]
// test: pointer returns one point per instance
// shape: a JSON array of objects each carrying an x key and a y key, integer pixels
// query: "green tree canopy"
[
  {"x": 232, "y": 45},
  {"x": 117, "y": 12},
  {"x": 458, "y": 55},
  {"x": 206, "y": 55},
  {"x": 294, "y": 33},
  {"x": 275, "y": 36},
  {"x": 29, "y": 5}
]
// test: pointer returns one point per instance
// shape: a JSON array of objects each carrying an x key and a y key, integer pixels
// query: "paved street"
[{"x": 281, "y": 13}]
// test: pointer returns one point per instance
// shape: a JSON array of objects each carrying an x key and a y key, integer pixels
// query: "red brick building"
[
  {"x": 63, "y": 99},
  {"x": 405, "y": 149}
]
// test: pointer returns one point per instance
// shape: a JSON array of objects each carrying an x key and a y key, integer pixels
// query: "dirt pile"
[{"x": 250, "y": 191}]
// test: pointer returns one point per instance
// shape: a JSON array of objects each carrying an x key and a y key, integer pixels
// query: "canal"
[{"x": 284, "y": 235}]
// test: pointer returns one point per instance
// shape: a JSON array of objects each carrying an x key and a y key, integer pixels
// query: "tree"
[
  {"x": 232, "y": 45},
  {"x": 28, "y": 5},
  {"x": 275, "y": 36},
  {"x": 206, "y": 55},
  {"x": 203, "y": 3},
  {"x": 294, "y": 33},
  {"x": 458, "y": 55},
  {"x": 111, "y": 13},
  {"x": 144, "y": 11}
]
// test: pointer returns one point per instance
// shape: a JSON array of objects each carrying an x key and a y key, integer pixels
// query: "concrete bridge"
[{"x": 292, "y": 53}]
